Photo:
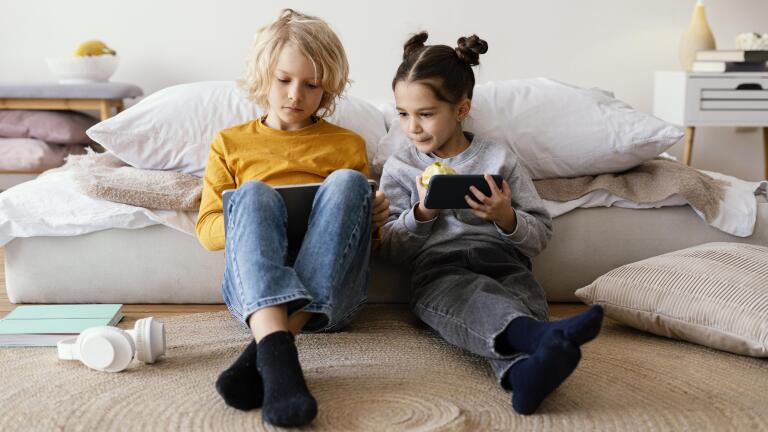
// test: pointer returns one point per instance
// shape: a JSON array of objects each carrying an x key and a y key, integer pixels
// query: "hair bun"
[
  {"x": 470, "y": 48},
  {"x": 414, "y": 43}
]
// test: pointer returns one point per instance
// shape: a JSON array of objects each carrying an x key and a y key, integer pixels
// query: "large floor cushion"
[{"x": 715, "y": 294}]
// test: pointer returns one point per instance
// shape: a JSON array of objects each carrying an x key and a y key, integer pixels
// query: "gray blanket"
[{"x": 649, "y": 182}]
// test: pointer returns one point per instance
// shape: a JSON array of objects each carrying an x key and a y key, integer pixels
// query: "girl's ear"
[{"x": 463, "y": 111}]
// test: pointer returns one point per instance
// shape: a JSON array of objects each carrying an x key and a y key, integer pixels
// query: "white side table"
[{"x": 691, "y": 99}]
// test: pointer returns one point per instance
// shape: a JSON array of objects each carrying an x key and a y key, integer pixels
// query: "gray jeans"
[{"x": 469, "y": 296}]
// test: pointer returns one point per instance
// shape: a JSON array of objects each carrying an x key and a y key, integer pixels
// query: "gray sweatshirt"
[{"x": 404, "y": 238}]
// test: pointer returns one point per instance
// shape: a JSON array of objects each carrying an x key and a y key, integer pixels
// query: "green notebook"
[{"x": 45, "y": 325}]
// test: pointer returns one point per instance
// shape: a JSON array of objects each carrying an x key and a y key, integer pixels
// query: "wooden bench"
[{"x": 104, "y": 97}]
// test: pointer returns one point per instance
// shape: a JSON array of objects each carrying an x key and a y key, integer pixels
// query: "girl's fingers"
[
  {"x": 494, "y": 189},
  {"x": 382, "y": 213},
  {"x": 473, "y": 204},
  {"x": 381, "y": 207},
  {"x": 505, "y": 189},
  {"x": 479, "y": 195}
]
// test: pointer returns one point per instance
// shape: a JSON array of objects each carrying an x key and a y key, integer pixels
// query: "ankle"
[{"x": 521, "y": 335}]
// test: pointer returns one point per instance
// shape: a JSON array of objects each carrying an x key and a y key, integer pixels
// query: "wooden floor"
[{"x": 133, "y": 312}]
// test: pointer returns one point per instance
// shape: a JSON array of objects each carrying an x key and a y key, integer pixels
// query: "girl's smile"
[{"x": 432, "y": 125}]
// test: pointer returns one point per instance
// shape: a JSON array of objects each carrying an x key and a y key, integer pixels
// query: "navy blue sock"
[
  {"x": 287, "y": 401},
  {"x": 534, "y": 378},
  {"x": 240, "y": 385},
  {"x": 523, "y": 334}
]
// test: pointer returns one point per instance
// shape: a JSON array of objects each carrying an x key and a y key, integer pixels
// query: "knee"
[
  {"x": 257, "y": 192},
  {"x": 349, "y": 180}
]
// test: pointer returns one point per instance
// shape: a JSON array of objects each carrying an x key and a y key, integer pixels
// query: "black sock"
[
  {"x": 240, "y": 385},
  {"x": 534, "y": 378},
  {"x": 523, "y": 334},
  {"x": 287, "y": 401}
]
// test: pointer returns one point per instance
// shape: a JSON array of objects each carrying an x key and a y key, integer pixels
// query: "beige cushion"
[
  {"x": 715, "y": 294},
  {"x": 104, "y": 176}
]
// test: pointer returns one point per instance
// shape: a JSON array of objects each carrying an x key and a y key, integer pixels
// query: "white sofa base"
[{"x": 160, "y": 265}]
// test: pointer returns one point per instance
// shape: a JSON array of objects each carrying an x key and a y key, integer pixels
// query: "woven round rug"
[{"x": 388, "y": 372}]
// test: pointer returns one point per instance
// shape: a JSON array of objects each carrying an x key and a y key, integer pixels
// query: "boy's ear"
[{"x": 464, "y": 107}]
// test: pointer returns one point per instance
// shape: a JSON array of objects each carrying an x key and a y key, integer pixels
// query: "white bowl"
[{"x": 73, "y": 70}]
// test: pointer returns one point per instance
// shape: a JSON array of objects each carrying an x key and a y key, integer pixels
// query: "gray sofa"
[{"x": 160, "y": 265}]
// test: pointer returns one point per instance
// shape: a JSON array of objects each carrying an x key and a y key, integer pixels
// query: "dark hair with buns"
[{"x": 447, "y": 71}]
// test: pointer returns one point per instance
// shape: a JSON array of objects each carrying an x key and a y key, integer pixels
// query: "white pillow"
[
  {"x": 172, "y": 129},
  {"x": 558, "y": 130}
]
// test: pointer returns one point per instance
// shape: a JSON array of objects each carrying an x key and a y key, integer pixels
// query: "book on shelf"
[
  {"x": 751, "y": 56},
  {"x": 45, "y": 325},
  {"x": 722, "y": 66}
]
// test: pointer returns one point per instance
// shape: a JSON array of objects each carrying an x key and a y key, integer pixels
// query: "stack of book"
[
  {"x": 45, "y": 325},
  {"x": 730, "y": 61}
]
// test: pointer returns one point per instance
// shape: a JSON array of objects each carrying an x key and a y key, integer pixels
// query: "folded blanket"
[
  {"x": 104, "y": 176},
  {"x": 651, "y": 182}
]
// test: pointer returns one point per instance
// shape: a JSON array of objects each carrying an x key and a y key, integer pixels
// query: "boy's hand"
[
  {"x": 380, "y": 210},
  {"x": 423, "y": 213},
  {"x": 497, "y": 207}
]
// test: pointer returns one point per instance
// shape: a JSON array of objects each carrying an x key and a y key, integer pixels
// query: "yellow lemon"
[
  {"x": 436, "y": 168},
  {"x": 93, "y": 48}
]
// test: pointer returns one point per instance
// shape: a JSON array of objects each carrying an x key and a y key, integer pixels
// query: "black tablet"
[
  {"x": 446, "y": 191},
  {"x": 298, "y": 200}
]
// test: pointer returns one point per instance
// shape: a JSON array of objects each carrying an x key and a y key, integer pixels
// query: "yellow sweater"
[{"x": 254, "y": 151}]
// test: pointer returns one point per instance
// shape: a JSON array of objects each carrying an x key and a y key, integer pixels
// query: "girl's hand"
[
  {"x": 497, "y": 207},
  {"x": 380, "y": 210},
  {"x": 423, "y": 213}
]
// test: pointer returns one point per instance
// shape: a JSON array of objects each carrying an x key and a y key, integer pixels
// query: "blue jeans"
[
  {"x": 469, "y": 296},
  {"x": 327, "y": 274}
]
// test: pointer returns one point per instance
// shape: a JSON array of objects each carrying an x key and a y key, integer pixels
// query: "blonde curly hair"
[{"x": 315, "y": 39}]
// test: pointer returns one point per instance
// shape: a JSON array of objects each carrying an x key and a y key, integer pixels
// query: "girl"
[
  {"x": 471, "y": 269},
  {"x": 296, "y": 71}
]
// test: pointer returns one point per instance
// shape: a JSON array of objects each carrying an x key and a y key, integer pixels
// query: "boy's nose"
[{"x": 295, "y": 94}]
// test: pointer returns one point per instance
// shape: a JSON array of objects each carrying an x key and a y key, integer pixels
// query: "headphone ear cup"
[
  {"x": 150, "y": 339},
  {"x": 107, "y": 349},
  {"x": 142, "y": 351}
]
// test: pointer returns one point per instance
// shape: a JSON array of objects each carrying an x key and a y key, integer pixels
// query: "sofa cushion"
[{"x": 715, "y": 294}]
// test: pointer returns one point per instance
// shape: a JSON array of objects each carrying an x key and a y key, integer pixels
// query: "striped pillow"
[{"x": 715, "y": 294}]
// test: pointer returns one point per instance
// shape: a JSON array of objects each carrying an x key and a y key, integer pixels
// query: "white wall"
[{"x": 610, "y": 44}]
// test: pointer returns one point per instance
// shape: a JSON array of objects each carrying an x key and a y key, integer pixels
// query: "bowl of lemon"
[{"x": 92, "y": 61}]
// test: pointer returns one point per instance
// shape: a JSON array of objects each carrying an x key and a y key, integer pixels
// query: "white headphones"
[{"x": 111, "y": 349}]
